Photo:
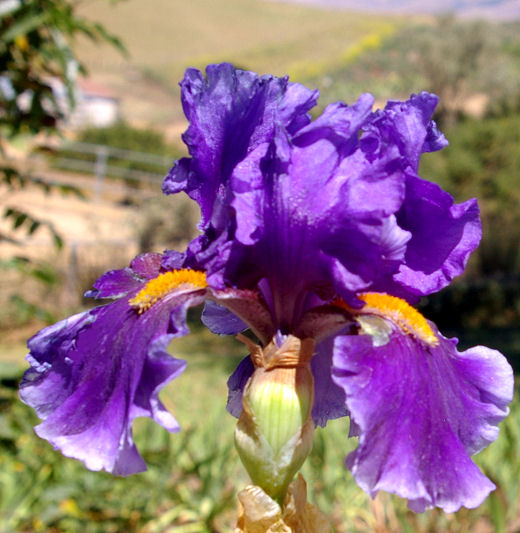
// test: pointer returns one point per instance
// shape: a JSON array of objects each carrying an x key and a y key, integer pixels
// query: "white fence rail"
[{"x": 102, "y": 162}]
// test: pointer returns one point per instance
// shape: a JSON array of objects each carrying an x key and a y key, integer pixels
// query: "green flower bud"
[{"x": 275, "y": 431}]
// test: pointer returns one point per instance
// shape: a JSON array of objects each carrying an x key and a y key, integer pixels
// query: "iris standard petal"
[
  {"x": 409, "y": 126},
  {"x": 257, "y": 162},
  {"x": 92, "y": 374},
  {"x": 347, "y": 235},
  {"x": 420, "y": 410},
  {"x": 443, "y": 235},
  {"x": 230, "y": 113}
]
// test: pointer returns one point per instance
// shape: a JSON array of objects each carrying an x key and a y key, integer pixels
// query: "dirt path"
[
  {"x": 96, "y": 219},
  {"x": 98, "y": 234}
]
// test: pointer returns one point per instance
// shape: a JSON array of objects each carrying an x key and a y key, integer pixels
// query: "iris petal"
[
  {"x": 420, "y": 411},
  {"x": 329, "y": 398},
  {"x": 230, "y": 113},
  {"x": 256, "y": 163},
  {"x": 236, "y": 383},
  {"x": 93, "y": 373},
  {"x": 347, "y": 235},
  {"x": 117, "y": 283},
  {"x": 410, "y": 127},
  {"x": 220, "y": 320},
  {"x": 443, "y": 236}
]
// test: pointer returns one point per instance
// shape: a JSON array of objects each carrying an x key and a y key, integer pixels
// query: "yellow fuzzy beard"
[{"x": 164, "y": 284}]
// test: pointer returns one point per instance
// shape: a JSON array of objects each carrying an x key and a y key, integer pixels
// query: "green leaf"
[
  {"x": 33, "y": 227},
  {"x": 19, "y": 220},
  {"x": 58, "y": 241},
  {"x": 10, "y": 176},
  {"x": 33, "y": 224},
  {"x": 24, "y": 25},
  {"x": 46, "y": 274}
]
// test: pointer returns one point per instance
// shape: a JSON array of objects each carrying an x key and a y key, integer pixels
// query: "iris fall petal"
[
  {"x": 93, "y": 373},
  {"x": 420, "y": 411}
]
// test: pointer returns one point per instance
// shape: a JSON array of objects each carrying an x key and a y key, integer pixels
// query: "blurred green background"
[{"x": 72, "y": 211}]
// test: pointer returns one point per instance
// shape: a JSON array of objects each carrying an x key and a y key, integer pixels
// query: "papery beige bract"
[{"x": 258, "y": 513}]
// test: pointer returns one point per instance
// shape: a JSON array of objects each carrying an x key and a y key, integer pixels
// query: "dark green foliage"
[
  {"x": 26, "y": 221},
  {"x": 36, "y": 38},
  {"x": 22, "y": 222},
  {"x": 40, "y": 272},
  {"x": 35, "y": 45}
]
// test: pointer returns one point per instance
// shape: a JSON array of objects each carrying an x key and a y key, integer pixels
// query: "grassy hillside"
[{"x": 164, "y": 37}]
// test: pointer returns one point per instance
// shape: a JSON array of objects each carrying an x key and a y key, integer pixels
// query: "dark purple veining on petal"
[{"x": 346, "y": 235}]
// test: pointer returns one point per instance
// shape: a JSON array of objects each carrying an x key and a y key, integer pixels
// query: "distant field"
[{"x": 263, "y": 36}]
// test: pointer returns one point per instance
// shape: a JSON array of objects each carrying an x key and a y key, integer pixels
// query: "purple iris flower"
[{"x": 313, "y": 228}]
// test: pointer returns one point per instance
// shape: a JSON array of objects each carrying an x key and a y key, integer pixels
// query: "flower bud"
[{"x": 275, "y": 431}]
